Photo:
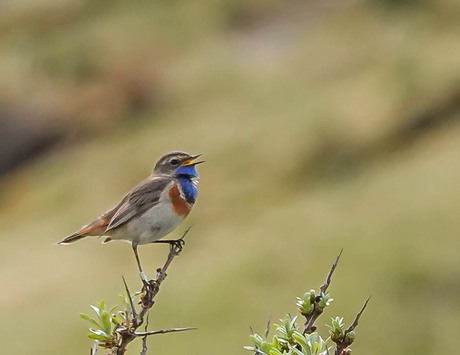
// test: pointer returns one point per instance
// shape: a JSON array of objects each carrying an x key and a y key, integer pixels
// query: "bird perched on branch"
[{"x": 152, "y": 209}]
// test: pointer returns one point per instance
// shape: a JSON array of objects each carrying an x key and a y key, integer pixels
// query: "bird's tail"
[
  {"x": 72, "y": 238},
  {"x": 95, "y": 228}
]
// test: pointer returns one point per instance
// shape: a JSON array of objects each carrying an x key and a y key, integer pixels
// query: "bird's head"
[{"x": 177, "y": 163}]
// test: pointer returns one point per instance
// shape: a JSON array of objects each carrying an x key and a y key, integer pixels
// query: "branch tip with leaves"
[
  {"x": 311, "y": 306},
  {"x": 344, "y": 338},
  {"x": 291, "y": 340},
  {"x": 114, "y": 330}
]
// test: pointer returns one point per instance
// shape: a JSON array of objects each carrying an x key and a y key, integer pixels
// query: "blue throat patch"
[{"x": 185, "y": 174}]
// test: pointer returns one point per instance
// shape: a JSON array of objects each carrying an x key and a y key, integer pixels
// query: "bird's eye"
[{"x": 174, "y": 162}]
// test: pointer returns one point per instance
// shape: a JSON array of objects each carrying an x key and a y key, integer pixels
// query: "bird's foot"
[{"x": 177, "y": 244}]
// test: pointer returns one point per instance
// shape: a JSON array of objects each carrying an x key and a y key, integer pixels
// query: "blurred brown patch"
[{"x": 24, "y": 135}]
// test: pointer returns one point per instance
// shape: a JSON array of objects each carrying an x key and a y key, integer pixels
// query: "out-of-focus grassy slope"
[{"x": 263, "y": 92}]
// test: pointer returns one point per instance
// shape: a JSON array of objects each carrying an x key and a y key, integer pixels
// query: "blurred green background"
[{"x": 325, "y": 124}]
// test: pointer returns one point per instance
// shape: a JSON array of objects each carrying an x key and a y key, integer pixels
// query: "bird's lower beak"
[{"x": 191, "y": 160}]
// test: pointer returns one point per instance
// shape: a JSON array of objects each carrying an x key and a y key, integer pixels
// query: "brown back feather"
[{"x": 139, "y": 200}]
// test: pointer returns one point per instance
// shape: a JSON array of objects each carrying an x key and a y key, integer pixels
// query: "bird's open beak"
[{"x": 191, "y": 160}]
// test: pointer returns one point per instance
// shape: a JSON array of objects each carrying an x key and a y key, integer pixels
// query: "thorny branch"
[
  {"x": 162, "y": 331},
  {"x": 317, "y": 310},
  {"x": 127, "y": 332},
  {"x": 149, "y": 290},
  {"x": 311, "y": 305},
  {"x": 344, "y": 343}
]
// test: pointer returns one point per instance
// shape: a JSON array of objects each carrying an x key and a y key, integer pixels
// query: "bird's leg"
[
  {"x": 143, "y": 276},
  {"x": 177, "y": 243}
]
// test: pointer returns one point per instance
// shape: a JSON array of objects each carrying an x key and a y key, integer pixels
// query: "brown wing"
[{"x": 137, "y": 201}]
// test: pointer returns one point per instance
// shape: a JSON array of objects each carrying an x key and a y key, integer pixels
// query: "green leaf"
[
  {"x": 337, "y": 326},
  {"x": 256, "y": 338},
  {"x": 297, "y": 351},
  {"x": 97, "y": 337},
  {"x": 107, "y": 325},
  {"x": 89, "y": 319},
  {"x": 300, "y": 339},
  {"x": 116, "y": 320},
  {"x": 101, "y": 305},
  {"x": 98, "y": 334},
  {"x": 97, "y": 310}
]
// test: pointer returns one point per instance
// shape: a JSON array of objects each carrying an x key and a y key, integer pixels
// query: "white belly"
[{"x": 154, "y": 224}]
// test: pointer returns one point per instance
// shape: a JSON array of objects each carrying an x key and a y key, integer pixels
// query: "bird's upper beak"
[{"x": 191, "y": 160}]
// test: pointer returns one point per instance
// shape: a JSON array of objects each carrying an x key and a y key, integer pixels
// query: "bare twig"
[
  {"x": 326, "y": 284},
  {"x": 163, "y": 331},
  {"x": 310, "y": 318},
  {"x": 346, "y": 341},
  {"x": 128, "y": 332},
  {"x": 267, "y": 329},
  {"x": 144, "y": 339},
  {"x": 133, "y": 309},
  {"x": 355, "y": 322}
]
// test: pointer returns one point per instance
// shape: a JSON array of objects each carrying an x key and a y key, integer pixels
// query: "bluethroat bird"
[{"x": 152, "y": 209}]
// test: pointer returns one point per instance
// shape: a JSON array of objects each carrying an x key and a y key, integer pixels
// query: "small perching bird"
[{"x": 152, "y": 209}]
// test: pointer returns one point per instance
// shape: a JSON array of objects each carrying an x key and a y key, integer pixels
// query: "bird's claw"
[{"x": 177, "y": 245}]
